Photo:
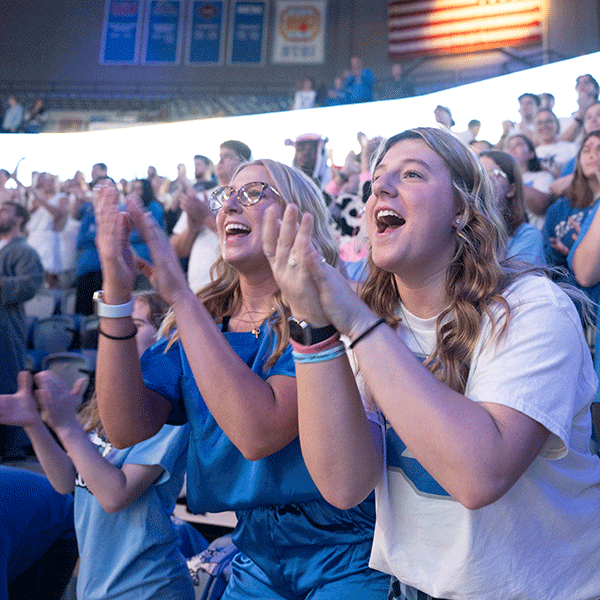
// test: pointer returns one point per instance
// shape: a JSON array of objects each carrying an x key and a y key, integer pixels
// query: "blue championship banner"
[
  {"x": 163, "y": 32},
  {"x": 205, "y": 35},
  {"x": 300, "y": 32},
  {"x": 121, "y": 33},
  {"x": 247, "y": 33}
]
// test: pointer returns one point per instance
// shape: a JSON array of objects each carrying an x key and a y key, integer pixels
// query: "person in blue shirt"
[
  {"x": 564, "y": 217},
  {"x": 224, "y": 365},
  {"x": 128, "y": 547},
  {"x": 358, "y": 85},
  {"x": 583, "y": 256},
  {"x": 524, "y": 240}
]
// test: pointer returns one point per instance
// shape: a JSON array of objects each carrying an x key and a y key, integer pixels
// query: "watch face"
[{"x": 300, "y": 331}]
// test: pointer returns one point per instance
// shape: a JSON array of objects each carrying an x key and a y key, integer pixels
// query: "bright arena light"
[{"x": 129, "y": 151}]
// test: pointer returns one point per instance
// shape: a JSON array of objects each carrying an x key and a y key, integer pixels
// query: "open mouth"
[
  {"x": 236, "y": 229},
  {"x": 388, "y": 218}
]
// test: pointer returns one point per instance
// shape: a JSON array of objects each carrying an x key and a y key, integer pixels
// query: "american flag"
[{"x": 434, "y": 27}]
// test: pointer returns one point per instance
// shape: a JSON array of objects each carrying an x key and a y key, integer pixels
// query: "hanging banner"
[
  {"x": 205, "y": 34},
  {"x": 300, "y": 32},
  {"x": 121, "y": 34},
  {"x": 162, "y": 34},
  {"x": 247, "y": 36}
]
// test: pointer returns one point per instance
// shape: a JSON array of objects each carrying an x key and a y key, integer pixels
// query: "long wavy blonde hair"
[
  {"x": 222, "y": 297},
  {"x": 475, "y": 278}
]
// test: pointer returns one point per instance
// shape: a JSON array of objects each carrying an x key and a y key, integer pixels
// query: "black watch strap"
[{"x": 303, "y": 333}]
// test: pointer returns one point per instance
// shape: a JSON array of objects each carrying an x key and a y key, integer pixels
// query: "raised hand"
[
  {"x": 20, "y": 409},
  {"x": 57, "y": 403},
  {"x": 166, "y": 274},
  {"x": 112, "y": 241},
  {"x": 558, "y": 245},
  {"x": 196, "y": 208},
  {"x": 314, "y": 290}
]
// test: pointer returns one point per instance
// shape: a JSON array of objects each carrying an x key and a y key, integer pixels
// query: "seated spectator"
[
  {"x": 305, "y": 95},
  {"x": 537, "y": 182},
  {"x": 524, "y": 240},
  {"x": 396, "y": 86},
  {"x": 38, "y": 550},
  {"x": 358, "y": 86},
  {"x": 13, "y": 116},
  {"x": 553, "y": 153},
  {"x": 565, "y": 216},
  {"x": 587, "y": 89},
  {"x": 35, "y": 117},
  {"x": 335, "y": 94}
]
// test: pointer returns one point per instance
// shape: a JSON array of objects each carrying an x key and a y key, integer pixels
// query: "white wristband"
[{"x": 112, "y": 311}]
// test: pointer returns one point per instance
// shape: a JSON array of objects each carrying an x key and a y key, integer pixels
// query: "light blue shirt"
[{"x": 134, "y": 553}]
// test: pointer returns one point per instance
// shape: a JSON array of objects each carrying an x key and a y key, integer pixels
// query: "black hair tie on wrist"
[
  {"x": 114, "y": 337},
  {"x": 366, "y": 332}
]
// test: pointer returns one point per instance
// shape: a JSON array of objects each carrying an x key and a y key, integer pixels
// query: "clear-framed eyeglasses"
[
  {"x": 495, "y": 173},
  {"x": 247, "y": 195}
]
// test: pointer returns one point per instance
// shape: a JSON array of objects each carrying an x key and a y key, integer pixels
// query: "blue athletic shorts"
[{"x": 305, "y": 551}]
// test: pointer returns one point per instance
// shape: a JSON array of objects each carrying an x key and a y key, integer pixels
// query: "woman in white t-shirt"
[
  {"x": 553, "y": 152},
  {"x": 485, "y": 484}
]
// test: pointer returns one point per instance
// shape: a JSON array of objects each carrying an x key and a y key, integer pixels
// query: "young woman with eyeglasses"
[
  {"x": 224, "y": 364},
  {"x": 524, "y": 241},
  {"x": 485, "y": 484}
]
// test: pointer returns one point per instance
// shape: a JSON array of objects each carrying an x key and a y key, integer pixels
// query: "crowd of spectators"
[
  {"x": 354, "y": 85},
  {"x": 544, "y": 172},
  {"x": 18, "y": 119}
]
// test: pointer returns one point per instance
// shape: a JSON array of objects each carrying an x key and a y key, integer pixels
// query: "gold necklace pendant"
[{"x": 256, "y": 331}]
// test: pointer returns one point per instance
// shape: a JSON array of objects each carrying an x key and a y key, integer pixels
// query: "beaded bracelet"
[
  {"x": 322, "y": 356},
  {"x": 366, "y": 332}
]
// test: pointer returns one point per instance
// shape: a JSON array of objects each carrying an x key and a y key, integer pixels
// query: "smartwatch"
[
  {"x": 112, "y": 311},
  {"x": 303, "y": 333}
]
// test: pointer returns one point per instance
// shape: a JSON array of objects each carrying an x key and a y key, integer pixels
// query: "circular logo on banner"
[
  {"x": 300, "y": 23},
  {"x": 208, "y": 11}
]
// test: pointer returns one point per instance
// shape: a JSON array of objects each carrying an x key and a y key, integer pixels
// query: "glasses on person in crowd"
[
  {"x": 247, "y": 195},
  {"x": 495, "y": 173}
]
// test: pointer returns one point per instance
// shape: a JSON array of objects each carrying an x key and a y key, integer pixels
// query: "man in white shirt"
[{"x": 195, "y": 233}]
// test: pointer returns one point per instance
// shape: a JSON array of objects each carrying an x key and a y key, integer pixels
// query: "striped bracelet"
[{"x": 324, "y": 355}]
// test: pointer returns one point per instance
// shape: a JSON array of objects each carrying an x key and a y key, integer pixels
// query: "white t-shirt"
[
  {"x": 205, "y": 251},
  {"x": 553, "y": 157},
  {"x": 57, "y": 249},
  {"x": 541, "y": 181},
  {"x": 542, "y": 538}
]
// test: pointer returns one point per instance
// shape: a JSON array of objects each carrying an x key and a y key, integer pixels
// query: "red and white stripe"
[{"x": 418, "y": 27}]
